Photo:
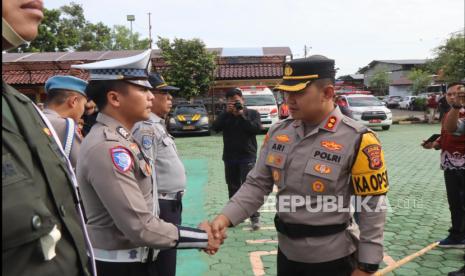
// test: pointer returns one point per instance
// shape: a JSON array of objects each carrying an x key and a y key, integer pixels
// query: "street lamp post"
[{"x": 131, "y": 18}]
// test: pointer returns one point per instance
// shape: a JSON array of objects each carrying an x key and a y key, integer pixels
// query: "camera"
[{"x": 238, "y": 105}]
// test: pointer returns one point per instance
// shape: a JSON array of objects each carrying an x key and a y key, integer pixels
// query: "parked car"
[
  {"x": 407, "y": 102},
  {"x": 367, "y": 109},
  {"x": 393, "y": 101},
  {"x": 189, "y": 118}
]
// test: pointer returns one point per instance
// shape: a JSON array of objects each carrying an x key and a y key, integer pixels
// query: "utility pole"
[
  {"x": 305, "y": 51},
  {"x": 150, "y": 32},
  {"x": 131, "y": 18}
]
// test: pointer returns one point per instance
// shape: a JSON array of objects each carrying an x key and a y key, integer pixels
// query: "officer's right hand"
[
  {"x": 219, "y": 226},
  {"x": 428, "y": 145}
]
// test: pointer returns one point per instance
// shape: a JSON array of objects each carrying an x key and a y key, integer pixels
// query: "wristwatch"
[{"x": 368, "y": 268}]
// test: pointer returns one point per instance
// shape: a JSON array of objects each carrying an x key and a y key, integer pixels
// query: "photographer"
[{"x": 240, "y": 127}]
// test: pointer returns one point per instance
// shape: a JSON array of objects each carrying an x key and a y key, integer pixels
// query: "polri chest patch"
[{"x": 147, "y": 142}]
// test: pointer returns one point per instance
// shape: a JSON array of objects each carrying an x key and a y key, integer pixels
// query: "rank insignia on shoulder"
[
  {"x": 123, "y": 132},
  {"x": 331, "y": 123},
  {"x": 146, "y": 142},
  {"x": 121, "y": 159},
  {"x": 318, "y": 186},
  {"x": 331, "y": 145}
]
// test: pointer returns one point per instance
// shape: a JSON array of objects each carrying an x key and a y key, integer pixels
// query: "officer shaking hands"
[
  {"x": 316, "y": 158},
  {"x": 115, "y": 176}
]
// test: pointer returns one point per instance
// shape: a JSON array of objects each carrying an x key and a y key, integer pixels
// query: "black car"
[{"x": 189, "y": 118}]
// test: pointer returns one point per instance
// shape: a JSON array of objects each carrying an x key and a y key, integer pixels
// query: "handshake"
[{"x": 216, "y": 231}]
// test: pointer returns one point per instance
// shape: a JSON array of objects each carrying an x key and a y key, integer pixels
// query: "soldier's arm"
[
  {"x": 119, "y": 192},
  {"x": 370, "y": 183},
  {"x": 251, "y": 195}
]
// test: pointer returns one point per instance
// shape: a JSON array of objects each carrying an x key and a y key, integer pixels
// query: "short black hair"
[
  {"x": 452, "y": 84},
  {"x": 233, "y": 92},
  {"x": 321, "y": 83},
  {"x": 58, "y": 96},
  {"x": 97, "y": 90}
]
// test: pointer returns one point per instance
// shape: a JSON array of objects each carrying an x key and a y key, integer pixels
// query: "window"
[{"x": 364, "y": 101}]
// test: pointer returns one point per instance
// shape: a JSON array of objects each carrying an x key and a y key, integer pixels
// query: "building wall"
[
  {"x": 382, "y": 67},
  {"x": 399, "y": 90}
]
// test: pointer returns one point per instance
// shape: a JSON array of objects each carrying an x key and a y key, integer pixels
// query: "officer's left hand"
[
  {"x": 213, "y": 243},
  {"x": 358, "y": 272}
]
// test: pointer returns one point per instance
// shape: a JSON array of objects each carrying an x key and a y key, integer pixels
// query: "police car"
[
  {"x": 366, "y": 109},
  {"x": 189, "y": 118}
]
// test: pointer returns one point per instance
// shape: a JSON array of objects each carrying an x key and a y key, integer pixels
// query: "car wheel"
[{"x": 386, "y": 127}]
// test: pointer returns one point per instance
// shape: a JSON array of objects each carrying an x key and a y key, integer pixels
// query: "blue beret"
[{"x": 66, "y": 83}]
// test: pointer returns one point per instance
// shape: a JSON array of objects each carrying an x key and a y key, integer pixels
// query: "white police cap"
[{"x": 134, "y": 69}]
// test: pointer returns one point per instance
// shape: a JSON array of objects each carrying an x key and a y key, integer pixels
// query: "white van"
[{"x": 262, "y": 99}]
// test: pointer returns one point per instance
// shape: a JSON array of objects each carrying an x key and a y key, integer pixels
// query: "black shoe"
[
  {"x": 255, "y": 223},
  {"x": 460, "y": 272}
]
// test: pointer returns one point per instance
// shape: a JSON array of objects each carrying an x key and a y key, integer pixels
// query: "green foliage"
[
  {"x": 449, "y": 62},
  {"x": 380, "y": 81},
  {"x": 190, "y": 66},
  {"x": 419, "y": 104},
  {"x": 66, "y": 29},
  {"x": 420, "y": 80}
]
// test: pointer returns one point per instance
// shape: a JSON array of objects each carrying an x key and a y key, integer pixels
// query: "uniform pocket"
[{"x": 320, "y": 177}]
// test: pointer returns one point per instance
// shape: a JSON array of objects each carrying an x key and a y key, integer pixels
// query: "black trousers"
[
  {"x": 339, "y": 267},
  {"x": 455, "y": 187},
  {"x": 235, "y": 175},
  {"x": 125, "y": 269},
  {"x": 170, "y": 211}
]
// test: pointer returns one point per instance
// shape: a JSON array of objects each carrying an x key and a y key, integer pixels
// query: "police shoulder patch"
[
  {"x": 122, "y": 158},
  {"x": 147, "y": 141},
  {"x": 369, "y": 174}
]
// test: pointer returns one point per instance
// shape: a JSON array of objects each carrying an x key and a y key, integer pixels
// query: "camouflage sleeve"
[{"x": 370, "y": 182}]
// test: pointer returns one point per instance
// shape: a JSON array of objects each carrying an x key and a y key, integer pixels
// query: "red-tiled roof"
[
  {"x": 223, "y": 72},
  {"x": 249, "y": 71}
]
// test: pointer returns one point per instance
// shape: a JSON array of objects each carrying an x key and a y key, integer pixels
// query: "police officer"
[
  {"x": 318, "y": 157},
  {"x": 115, "y": 176},
  {"x": 170, "y": 175},
  {"x": 43, "y": 231},
  {"x": 64, "y": 106}
]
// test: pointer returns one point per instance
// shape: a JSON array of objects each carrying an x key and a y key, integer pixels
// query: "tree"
[
  {"x": 66, "y": 29},
  {"x": 122, "y": 39},
  {"x": 190, "y": 66},
  {"x": 420, "y": 80},
  {"x": 449, "y": 62},
  {"x": 380, "y": 81}
]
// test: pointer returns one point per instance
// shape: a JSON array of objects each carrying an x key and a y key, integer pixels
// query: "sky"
[{"x": 353, "y": 32}]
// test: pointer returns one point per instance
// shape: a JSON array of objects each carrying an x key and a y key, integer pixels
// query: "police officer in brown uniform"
[
  {"x": 115, "y": 175},
  {"x": 317, "y": 158},
  {"x": 64, "y": 106}
]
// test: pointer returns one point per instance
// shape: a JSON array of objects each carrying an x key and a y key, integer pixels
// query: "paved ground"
[{"x": 419, "y": 209}]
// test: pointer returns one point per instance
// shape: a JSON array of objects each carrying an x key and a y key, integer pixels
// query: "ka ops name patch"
[{"x": 369, "y": 175}]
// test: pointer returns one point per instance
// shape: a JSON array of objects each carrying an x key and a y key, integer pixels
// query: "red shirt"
[{"x": 452, "y": 148}]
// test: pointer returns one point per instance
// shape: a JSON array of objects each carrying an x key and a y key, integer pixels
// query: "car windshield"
[
  {"x": 364, "y": 101},
  {"x": 258, "y": 100},
  {"x": 190, "y": 109}
]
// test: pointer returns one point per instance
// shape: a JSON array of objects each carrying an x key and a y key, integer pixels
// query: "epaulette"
[
  {"x": 110, "y": 135},
  {"x": 358, "y": 127}
]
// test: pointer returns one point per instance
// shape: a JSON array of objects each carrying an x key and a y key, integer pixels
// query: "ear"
[
  {"x": 72, "y": 101},
  {"x": 114, "y": 98},
  {"x": 328, "y": 92}
]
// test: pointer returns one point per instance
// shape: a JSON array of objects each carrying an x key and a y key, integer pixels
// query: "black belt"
[{"x": 293, "y": 230}]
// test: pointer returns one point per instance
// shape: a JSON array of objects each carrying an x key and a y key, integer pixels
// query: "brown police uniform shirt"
[
  {"x": 59, "y": 124},
  {"x": 339, "y": 157},
  {"x": 115, "y": 182}
]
